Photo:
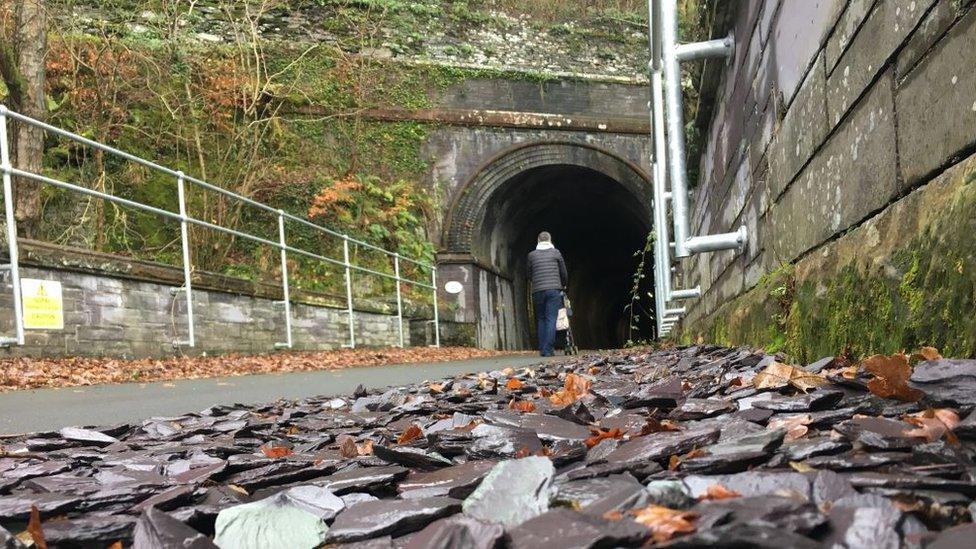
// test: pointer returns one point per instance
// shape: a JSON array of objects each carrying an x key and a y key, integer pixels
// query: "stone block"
[
  {"x": 803, "y": 129},
  {"x": 847, "y": 26},
  {"x": 853, "y": 175},
  {"x": 936, "y": 104},
  {"x": 880, "y": 36},
  {"x": 933, "y": 26}
]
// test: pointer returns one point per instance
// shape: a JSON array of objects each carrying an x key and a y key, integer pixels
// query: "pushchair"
[{"x": 564, "y": 329}]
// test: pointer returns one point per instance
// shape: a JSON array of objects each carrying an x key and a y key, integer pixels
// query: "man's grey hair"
[{"x": 544, "y": 236}]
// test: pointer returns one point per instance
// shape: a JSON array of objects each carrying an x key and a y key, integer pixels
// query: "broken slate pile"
[{"x": 683, "y": 447}]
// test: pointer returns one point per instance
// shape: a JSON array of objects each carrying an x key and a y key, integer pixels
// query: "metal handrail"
[{"x": 281, "y": 244}]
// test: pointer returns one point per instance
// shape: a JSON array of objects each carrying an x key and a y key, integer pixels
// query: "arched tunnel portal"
[{"x": 597, "y": 207}]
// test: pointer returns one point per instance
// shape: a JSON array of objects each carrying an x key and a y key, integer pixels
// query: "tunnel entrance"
[{"x": 597, "y": 208}]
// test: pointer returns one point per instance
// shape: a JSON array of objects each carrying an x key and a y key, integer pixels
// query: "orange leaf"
[
  {"x": 412, "y": 433},
  {"x": 929, "y": 353},
  {"x": 34, "y": 528},
  {"x": 665, "y": 523},
  {"x": 116, "y": 545},
  {"x": 599, "y": 435},
  {"x": 675, "y": 461},
  {"x": 521, "y": 405},
  {"x": 656, "y": 426},
  {"x": 347, "y": 447},
  {"x": 366, "y": 448},
  {"x": 436, "y": 387},
  {"x": 933, "y": 424},
  {"x": 717, "y": 492},
  {"x": 574, "y": 388},
  {"x": 795, "y": 426},
  {"x": 275, "y": 452},
  {"x": 514, "y": 384},
  {"x": 891, "y": 377}
]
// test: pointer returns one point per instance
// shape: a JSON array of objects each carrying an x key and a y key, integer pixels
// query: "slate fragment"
[
  {"x": 809, "y": 402},
  {"x": 738, "y": 536},
  {"x": 660, "y": 446},
  {"x": 367, "y": 479},
  {"x": 415, "y": 458},
  {"x": 87, "y": 436},
  {"x": 562, "y": 528},
  {"x": 457, "y": 531},
  {"x": 496, "y": 442},
  {"x": 600, "y": 495},
  {"x": 157, "y": 530},
  {"x": 276, "y": 521},
  {"x": 394, "y": 517},
  {"x": 949, "y": 382},
  {"x": 457, "y": 481},
  {"x": 513, "y": 492},
  {"x": 90, "y": 531}
]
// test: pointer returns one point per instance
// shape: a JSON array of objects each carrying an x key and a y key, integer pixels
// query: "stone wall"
[
  {"x": 836, "y": 139},
  {"x": 109, "y": 314}
]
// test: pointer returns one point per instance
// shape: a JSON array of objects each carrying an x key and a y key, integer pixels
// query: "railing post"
[
  {"x": 187, "y": 285},
  {"x": 285, "y": 295},
  {"x": 396, "y": 271},
  {"x": 437, "y": 322},
  {"x": 352, "y": 320},
  {"x": 13, "y": 252}
]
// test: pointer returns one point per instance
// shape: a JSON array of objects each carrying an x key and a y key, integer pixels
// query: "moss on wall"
[{"x": 905, "y": 279}]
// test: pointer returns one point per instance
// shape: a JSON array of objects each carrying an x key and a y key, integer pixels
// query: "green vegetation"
[{"x": 923, "y": 294}]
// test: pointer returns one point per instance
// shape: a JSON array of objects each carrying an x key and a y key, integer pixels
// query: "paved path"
[{"x": 47, "y": 409}]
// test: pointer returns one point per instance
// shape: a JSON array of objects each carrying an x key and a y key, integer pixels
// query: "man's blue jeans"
[{"x": 547, "y": 304}]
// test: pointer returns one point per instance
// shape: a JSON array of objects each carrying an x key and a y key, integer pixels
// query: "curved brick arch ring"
[{"x": 467, "y": 213}]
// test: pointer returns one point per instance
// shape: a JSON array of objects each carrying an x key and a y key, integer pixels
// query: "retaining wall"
[{"x": 838, "y": 138}]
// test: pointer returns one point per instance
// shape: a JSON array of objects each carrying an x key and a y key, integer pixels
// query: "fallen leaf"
[
  {"x": 276, "y": 452},
  {"x": 932, "y": 425},
  {"x": 675, "y": 461},
  {"x": 523, "y": 452},
  {"x": 654, "y": 425},
  {"x": 929, "y": 353},
  {"x": 116, "y": 545},
  {"x": 574, "y": 388},
  {"x": 778, "y": 375},
  {"x": 613, "y": 515},
  {"x": 665, "y": 523},
  {"x": 514, "y": 384},
  {"x": 599, "y": 434},
  {"x": 436, "y": 388},
  {"x": 891, "y": 377},
  {"x": 521, "y": 405},
  {"x": 717, "y": 492},
  {"x": 412, "y": 433},
  {"x": 795, "y": 426},
  {"x": 366, "y": 448},
  {"x": 35, "y": 530},
  {"x": 238, "y": 489},
  {"x": 801, "y": 467},
  {"x": 347, "y": 447}
]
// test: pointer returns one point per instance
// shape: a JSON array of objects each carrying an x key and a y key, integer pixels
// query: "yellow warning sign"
[{"x": 43, "y": 307}]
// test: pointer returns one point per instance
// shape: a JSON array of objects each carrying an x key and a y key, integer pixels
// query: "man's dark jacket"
[{"x": 547, "y": 270}]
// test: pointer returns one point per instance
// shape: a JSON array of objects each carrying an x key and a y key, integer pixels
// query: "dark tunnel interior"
[{"x": 598, "y": 225}]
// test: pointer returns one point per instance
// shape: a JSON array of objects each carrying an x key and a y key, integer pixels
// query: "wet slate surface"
[{"x": 517, "y": 459}]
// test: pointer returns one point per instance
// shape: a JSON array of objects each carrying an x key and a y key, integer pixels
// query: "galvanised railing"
[{"x": 185, "y": 220}]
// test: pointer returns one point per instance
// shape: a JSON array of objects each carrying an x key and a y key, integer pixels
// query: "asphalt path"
[{"x": 49, "y": 409}]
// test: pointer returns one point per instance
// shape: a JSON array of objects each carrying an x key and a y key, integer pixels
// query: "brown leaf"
[
  {"x": 613, "y": 515},
  {"x": 574, "y": 388},
  {"x": 276, "y": 452},
  {"x": 347, "y": 447},
  {"x": 933, "y": 424},
  {"x": 514, "y": 384},
  {"x": 654, "y": 425},
  {"x": 412, "y": 433},
  {"x": 599, "y": 434},
  {"x": 34, "y": 528},
  {"x": 366, "y": 448},
  {"x": 891, "y": 377},
  {"x": 436, "y": 388},
  {"x": 716, "y": 492},
  {"x": 778, "y": 375},
  {"x": 521, "y": 405},
  {"x": 116, "y": 545},
  {"x": 795, "y": 426},
  {"x": 675, "y": 461},
  {"x": 665, "y": 523},
  {"x": 523, "y": 452},
  {"x": 929, "y": 353}
]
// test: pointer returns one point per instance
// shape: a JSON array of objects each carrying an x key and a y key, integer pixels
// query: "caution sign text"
[{"x": 43, "y": 307}]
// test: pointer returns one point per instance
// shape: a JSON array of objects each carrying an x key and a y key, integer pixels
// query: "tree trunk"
[{"x": 30, "y": 44}]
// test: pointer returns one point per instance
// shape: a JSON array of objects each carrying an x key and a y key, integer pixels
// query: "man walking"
[{"x": 547, "y": 272}]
